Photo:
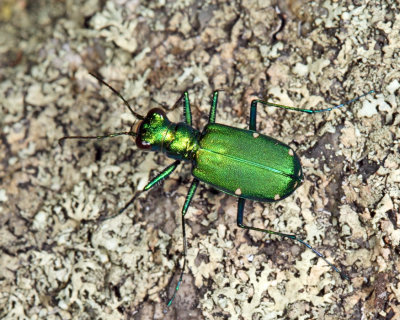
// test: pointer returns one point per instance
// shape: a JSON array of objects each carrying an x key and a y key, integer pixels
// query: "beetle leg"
[
  {"x": 161, "y": 176},
  {"x": 187, "y": 113},
  {"x": 254, "y": 103},
  {"x": 189, "y": 197},
  {"x": 241, "y": 203},
  {"x": 253, "y": 116},
  {"x": 186, "y": 109},
  {"x": 213, "y": 110}
]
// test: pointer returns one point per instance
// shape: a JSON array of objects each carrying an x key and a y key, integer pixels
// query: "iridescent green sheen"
[
  {"x": 152, "y": 130},
  {"x": 162, "y": 175},
  {"x": 177, "y": 140},
  {"x": 242, "y": 163},
  {"x": 247, "y": 164}
]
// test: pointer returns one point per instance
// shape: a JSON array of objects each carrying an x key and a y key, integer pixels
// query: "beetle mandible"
[{"x": 242, "y": 163}]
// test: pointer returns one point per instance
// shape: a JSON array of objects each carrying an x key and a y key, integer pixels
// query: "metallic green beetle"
[{"x": 239, "y": 162}]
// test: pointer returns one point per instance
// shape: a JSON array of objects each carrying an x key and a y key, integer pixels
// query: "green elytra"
[{"x": 239, "y": 162}]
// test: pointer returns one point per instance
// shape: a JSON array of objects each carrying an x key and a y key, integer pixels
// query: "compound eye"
[{"x": 142, "y": 144}]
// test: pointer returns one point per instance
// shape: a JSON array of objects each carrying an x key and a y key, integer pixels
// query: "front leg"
[
  {"x": 187, "y": 113},
  {"x": 213, "y": 110}
]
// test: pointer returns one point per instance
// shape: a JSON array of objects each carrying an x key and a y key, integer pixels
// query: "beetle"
[{"x": 242, "y": 163}]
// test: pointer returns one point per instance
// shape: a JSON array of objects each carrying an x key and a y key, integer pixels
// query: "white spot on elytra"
[
  {"x": 256, "y": 134},
  {"x": 277, "y": 197},
  {"x": 291, "y": 153},
  {"x": 238, "y": 192}
]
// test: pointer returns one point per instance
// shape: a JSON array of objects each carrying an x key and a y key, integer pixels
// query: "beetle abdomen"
[{"x": 247, "y": 164}]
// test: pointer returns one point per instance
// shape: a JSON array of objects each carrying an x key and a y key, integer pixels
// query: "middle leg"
[
  {"x": 189, "y": 197},
  {"x": 187, "y": 113}
]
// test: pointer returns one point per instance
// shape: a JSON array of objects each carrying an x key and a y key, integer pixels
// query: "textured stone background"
[{"x": 60, "y": 259}]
